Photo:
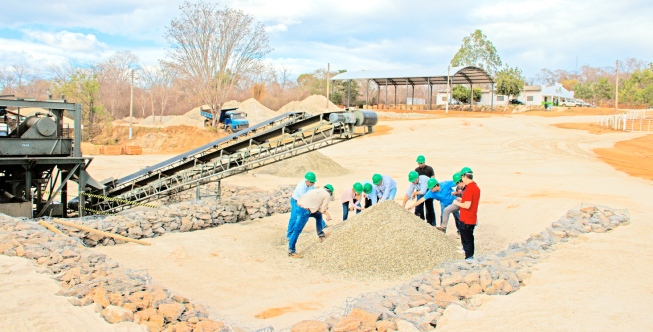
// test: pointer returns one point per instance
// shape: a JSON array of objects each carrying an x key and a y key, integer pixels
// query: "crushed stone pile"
[
  {"x": 384, "y": 241},
  {"x": 315, "y": 104},
  {"x": 183, "y": 121},
  {"x": 195, "y": 113},
  {"x": 297, "y": 166},
  {"x": 154, "y": 120}
]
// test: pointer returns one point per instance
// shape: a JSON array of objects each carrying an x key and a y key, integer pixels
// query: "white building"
[{"x": 530, "y": 95}]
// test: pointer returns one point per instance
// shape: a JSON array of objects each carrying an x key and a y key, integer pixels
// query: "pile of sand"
[
  {"x": 183, "y": 121},
  {"x": 315, "y": 104},
  {"x": 384, "y": 241},
  {"x": 134, "y": 119},
  {"x": 154, "y": 120},
  {"x": 314, "y": 161},
  {"x": 195, "y": 113}
]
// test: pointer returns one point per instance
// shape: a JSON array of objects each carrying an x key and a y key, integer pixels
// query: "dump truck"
[{"x": 230, "y": 119}]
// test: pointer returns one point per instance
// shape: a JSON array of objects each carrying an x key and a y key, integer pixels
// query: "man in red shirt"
[{"x": 468, "y": 208}]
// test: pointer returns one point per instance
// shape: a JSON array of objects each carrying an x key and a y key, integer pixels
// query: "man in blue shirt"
[
  {"x": 441, "y": 192},
  {"x": 385, "y": 186},
  {"x": 302, "y": 187},
  {"x": 417, "y": 189}
]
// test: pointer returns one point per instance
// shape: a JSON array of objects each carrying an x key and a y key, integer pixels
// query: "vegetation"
[
  {"x": 509, "y": 82},
  {"x": 477, "y": 50},
  {"x": 461, "y": 94}
]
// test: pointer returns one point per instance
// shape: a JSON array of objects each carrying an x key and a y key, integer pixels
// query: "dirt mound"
[
  {"x": 632, "y": 156},
  {"x": 385, "y": 241},
  {"x": 315, "y": 104},
  {"x": 312, "y": 161},
  {"x": 172, "y": 139}
]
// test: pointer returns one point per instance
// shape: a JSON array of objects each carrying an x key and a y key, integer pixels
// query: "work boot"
[
  {"x": 294, "y": 255},
  {"x": 324, "y": 237}
]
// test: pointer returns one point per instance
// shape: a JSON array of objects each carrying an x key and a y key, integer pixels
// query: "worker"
[
  {"x": 385, "y": 186},
  {"x": 371, "y": 197},
  {"x": 314, "y": 203},
  {"x": 351, "y": 200},
  {"x": 423, "y": 169},
  {"x": 302, "y": 187},
  {"x": 441, "y": 191},
  {"x": 416, "y": 190},
  {"x": 468, "y": 211},
  {"x": 453, "y": 209}
]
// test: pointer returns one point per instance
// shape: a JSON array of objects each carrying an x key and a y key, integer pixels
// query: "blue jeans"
[
  {"x": 298, "y": 226},
  {"x": 345, "y": 210},
  {"x": 293, "y": 204}
]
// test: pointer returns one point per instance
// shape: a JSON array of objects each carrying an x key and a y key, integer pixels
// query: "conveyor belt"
[{"x": 274, "y": 140}]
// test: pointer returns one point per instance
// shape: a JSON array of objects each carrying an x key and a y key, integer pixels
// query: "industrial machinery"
[
  {"x": 230, "y": 119},
  {"x": 276, "y": 139},
  {"x": 39, "y": 156}
]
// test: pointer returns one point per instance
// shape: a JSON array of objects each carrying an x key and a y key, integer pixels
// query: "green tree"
[
  {"x": 584, "y": 90},
  {"x": 82, "y": 86},
  {"x": 477, "y": 50},
  {"x": 603, "y": 89},
  {"x": 510, "y": 82},
  {"x": 461, "y": 94}
]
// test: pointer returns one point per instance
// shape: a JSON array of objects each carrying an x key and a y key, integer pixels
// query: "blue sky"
[{"x": 352, "y": 35}]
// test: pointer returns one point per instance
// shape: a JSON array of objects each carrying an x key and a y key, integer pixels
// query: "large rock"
[
  {"x": 171, "y": 311},
  {"x": 347, "y": 324},
  {"x": 114, "y": 314},
  {"x": 208, "y": 326}
]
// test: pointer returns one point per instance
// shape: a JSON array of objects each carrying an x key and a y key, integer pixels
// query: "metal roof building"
[{"x": 411, "y": 77}]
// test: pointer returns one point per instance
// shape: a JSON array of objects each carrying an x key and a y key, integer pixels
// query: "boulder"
[
  {"x": 310, "y": 326},
  {"x": 115, "y": 314}
]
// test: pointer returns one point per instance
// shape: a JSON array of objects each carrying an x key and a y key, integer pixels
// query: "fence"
[{"x": 628, "y": 121}]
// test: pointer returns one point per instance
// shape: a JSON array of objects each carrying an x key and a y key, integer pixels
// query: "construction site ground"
[{"x": 530, "y": 173}]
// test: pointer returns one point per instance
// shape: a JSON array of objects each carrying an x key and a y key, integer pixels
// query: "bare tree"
[
  {"x": 159, "y": 84},
  {"x": 211, "y": 48},
  {"x": 115, "y": 79}
]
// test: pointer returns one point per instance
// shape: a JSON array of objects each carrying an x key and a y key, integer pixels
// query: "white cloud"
[{"x": 69, "y": 41}]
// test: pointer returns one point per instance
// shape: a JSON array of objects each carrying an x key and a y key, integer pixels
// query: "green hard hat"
[
  {"x": 329, "y": 188},
  {"x": 367, "y": 188},
  {"x": 457, "y": 177},
  {"x": 377, "y": 178},
  {"x": 432, "y": 183},
  {"x": 310, "y": 177},
  {"x": 412, "y": 176},
  {"x": 465, "y": 170},
  {"x": 358, "y": 187},
  {"x": 421, "y": 159}
]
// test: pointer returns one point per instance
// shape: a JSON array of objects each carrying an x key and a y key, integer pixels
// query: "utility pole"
[
  {"x": 131, "y": 106},
  {"x": 327, "y": 76},
  {"x": 616, "y": 90},
  {"x": 448, "y": 97}
]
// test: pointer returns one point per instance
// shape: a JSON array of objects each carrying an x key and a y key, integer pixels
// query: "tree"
[
  {"x": 510, "y": 82},
  {"x": 477, "y": 50},
  {"x": 211, "y": 48},
  {"x": 158, "y": 83},
  {"x": 81, "y": 85},
  {"x": 584, "y": 91},
  {"x": 461, "y": 94},
  {"x": 114, "y": 76},
  {"x": 603, "y": 90}
]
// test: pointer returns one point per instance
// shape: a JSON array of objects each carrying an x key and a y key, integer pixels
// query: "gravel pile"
[
  {"x": 315, "y": 104},
  {"x": 183, "y": 121},
  {"x": 385, "y": 241},
  {"x": 297, "y": 166}
]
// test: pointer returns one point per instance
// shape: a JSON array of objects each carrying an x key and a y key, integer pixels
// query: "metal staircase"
[{"x": 280, "y": 138}]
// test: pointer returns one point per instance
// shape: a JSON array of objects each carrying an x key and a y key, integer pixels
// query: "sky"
[{"x": 352, "y": 35}]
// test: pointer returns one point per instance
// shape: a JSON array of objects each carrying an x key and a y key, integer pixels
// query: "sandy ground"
[
  {"x": 28, "y": 303},
  {"x": 529, "y": 172}
]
